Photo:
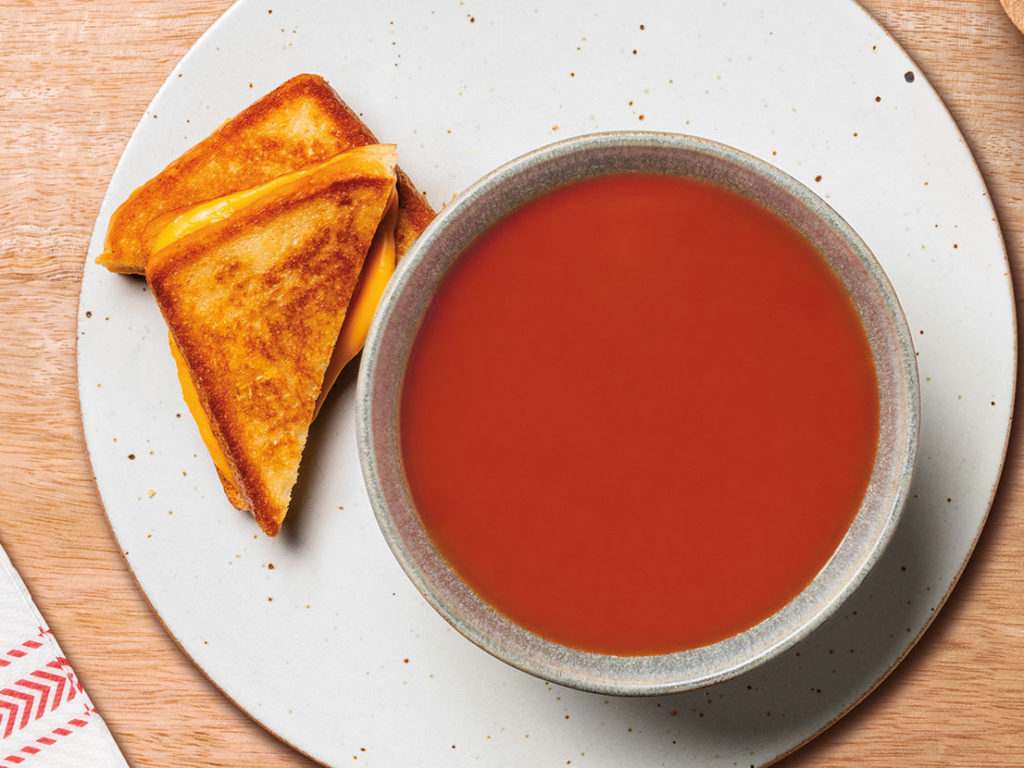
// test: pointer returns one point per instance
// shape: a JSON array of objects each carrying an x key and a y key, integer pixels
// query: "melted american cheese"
[{"x": 377, "y": 270}]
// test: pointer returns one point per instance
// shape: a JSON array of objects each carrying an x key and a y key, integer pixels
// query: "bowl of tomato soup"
[{"x": 638, "y": 411}]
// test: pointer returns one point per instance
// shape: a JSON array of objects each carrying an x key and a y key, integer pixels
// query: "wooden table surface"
[{"x": 75, "y": 76}]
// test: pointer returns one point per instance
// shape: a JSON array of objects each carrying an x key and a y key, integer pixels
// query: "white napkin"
[{"x": 46, "y": 719}]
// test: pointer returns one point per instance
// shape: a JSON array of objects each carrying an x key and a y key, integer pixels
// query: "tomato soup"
[{"x": 640, "y": 415}]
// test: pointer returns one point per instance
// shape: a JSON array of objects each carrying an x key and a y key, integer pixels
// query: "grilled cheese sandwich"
[
  {"x": 377, "y": 270},
  {"x": 268, "y": 246},
  {"x": 267, "y": 294}
]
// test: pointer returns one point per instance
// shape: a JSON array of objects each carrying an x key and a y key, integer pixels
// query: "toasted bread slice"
[
  {"x": 377, "y": 269},
  {"x": 300, "y": 123},
  {"x": 255, "y": 304}
]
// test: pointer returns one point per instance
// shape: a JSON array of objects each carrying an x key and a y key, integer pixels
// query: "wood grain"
[{"x": 75, "y": 78}]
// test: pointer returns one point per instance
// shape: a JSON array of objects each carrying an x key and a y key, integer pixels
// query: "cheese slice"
[{"x": 377, "y": 270}]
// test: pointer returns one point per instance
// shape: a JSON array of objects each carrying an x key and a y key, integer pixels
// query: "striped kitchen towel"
[{"x": 46, "y": 718}]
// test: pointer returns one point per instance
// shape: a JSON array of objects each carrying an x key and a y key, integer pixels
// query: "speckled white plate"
[{"x": 318, "y": 634}]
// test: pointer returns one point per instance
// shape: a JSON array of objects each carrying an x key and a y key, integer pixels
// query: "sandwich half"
[
  {"x": 300, "y": 123},
  {"x": 266, "y": 294}
]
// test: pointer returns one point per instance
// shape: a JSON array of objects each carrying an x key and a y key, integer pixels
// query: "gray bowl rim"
[{"x": 602, "y": 673}]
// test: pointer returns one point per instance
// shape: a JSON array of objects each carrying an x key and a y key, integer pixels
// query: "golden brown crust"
[
  {"x": 300, "y": 123},
  {"x": 255, "y": 304},
  {"x": 414, "y": 214},
  {"x": 232, "y": 492}
]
